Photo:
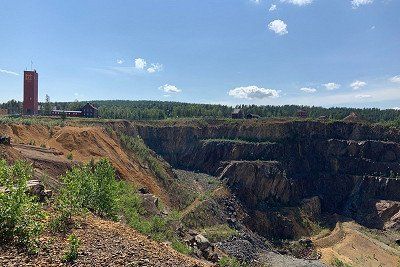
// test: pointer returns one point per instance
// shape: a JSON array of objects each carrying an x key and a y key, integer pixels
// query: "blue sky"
[{"x": 311, "y": 52}]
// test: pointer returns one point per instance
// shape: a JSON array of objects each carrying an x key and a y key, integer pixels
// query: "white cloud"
[
  {"x": 155, "y": 67},
  {"x": 140, "y": 63},
  {"x": 358, "y": 3},
  {"x": 253, "y": 92},
  {"x": 256, "y": 1},
  {"x": 298, "y": 2},
  {"x": 120, "y": 61},
  {"x": 8, "y": 72},
  {"x": 308, "y": 90},
  {"x": 395, "y": 79},
  {"x": 357, "y": 85},
  {"x": 272, "y": 8},
  {"x": 331, "y": 86},
  {"x": 373, "y": 27},
  {"x": 396, "y": 108},
  {"x": 170, "y": 88},
  {"x": 278, "y": 26},
  {"x": 363, "y": 96}
]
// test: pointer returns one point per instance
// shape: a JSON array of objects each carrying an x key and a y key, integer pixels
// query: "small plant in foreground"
[{"x": 72, "y": 254}]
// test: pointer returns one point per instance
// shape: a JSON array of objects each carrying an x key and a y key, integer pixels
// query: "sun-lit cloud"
[
  {"x": 253, "y": 92},
  {"x": 308, "y": 90},
  {"x": 298, "y": 2},
  {"x": 273, "y": 7},
  {"x": 357, "y": 3},
  {"x": 9, "y": 72},
  {"x": 357, "y": 85},
  {"x": 155, "y": 67},
  {"x": 168, "y": 88},
  {"x": 140, "y": 63},
  {"x": 331, "y": 86},
  {"x": 395, "y": 79},
  {"x": 363, "y": 96},
  {"x": 278, "y": 26}
]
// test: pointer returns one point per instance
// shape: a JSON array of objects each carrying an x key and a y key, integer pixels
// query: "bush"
[
  {"x": 90, "y": 187},
  {"x": 70, "y": 156},
  {"x": 72, "y": 254},
  {"x": 338, "y": 263},
  {"x": 93, "y": 187},
  {"x": 20, "y": 215}
]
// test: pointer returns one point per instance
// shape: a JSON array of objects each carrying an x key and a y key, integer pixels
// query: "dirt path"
[
  {"x": 350, "y": 245},
  {"x": 197, "y": 202}
]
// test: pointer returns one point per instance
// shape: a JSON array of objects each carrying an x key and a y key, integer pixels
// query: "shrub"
[
  {"x": 72, "y": 254},
  {"x": 90, "y": 187},
  {"x": 338, "y": 263},
  {"x": 93, "y": 187},
  {"x": 20, "y": 215},
  {"x": 70, "y": 156}
]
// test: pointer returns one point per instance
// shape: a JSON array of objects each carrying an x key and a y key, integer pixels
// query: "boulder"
[{"x": 201, "y": 242}]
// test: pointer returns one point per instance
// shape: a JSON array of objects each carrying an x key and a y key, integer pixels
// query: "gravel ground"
[{"x": 103, "y": 243}]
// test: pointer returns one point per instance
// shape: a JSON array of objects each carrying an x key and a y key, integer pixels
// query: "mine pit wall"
[{"x": 284, "y": 163}]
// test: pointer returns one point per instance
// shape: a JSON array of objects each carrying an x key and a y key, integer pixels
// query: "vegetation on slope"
[{"x": 91, "y": 188}]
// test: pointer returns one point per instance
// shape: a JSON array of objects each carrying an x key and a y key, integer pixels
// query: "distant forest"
[{"x": 150, "y": 110}]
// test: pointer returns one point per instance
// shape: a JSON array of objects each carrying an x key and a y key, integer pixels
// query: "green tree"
[{"x": 47, "y": 106}]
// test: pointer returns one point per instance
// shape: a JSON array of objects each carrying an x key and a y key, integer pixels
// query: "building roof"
[
  {"x": 90, "y": 105},
  {"x": 67, "y": 111}
]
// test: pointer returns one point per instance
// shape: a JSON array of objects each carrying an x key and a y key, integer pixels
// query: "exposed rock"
[
  {"x": 150, "y": 203},
  {"x": 311, "y": 207},
  {"x": 272, "y": 166}
]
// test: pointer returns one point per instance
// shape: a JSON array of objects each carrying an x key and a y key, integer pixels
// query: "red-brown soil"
[{"x": 84, "y": 143}]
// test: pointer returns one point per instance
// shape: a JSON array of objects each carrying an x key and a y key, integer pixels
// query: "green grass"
[
  {"x": 218, "y": 233},
  {"x": 181, "y": 247},
  {"x": 145, "y": 155}
]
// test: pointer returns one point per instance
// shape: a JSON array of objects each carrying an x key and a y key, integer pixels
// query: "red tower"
[{"x": 30, "y": 106}]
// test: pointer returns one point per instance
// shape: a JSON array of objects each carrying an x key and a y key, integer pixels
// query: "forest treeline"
[{"x": 150, "y": 110}]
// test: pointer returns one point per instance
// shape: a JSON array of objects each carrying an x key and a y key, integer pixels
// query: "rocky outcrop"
[
  {"x": 260, "y": 183},
  {"x": 272, "y": 166}
]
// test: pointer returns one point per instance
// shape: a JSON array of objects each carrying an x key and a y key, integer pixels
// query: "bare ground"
[{"x": 103, "y": 243}]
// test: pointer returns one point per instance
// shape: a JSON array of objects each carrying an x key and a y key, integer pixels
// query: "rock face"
[{"x": 279, "y": 169}]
